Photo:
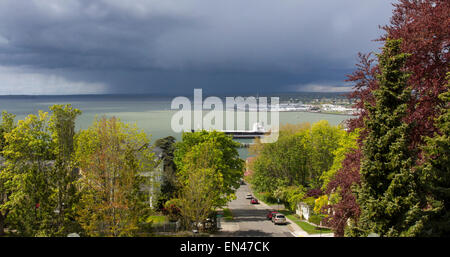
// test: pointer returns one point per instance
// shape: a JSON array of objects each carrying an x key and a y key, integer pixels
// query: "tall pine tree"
[{"x": 388, "y": 194}]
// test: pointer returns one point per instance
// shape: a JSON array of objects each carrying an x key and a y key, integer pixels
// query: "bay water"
[{"x": 150, "y": 113}]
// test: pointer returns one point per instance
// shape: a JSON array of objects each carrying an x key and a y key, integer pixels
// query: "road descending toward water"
[{"x": 250, "y": 219}]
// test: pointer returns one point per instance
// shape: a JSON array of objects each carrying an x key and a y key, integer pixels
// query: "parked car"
[
  {"x": 242, "y": 182},
  {"x": 254, "y": 201},
  {"x": 249, "y": 196},
  {"x": 279, "y": 219},
  {"x": 270, "y": 214}
]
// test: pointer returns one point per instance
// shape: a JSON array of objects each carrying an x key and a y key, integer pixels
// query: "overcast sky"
[{"x": 173, "y": 46}]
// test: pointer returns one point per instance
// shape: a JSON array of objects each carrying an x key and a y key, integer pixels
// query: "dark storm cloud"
[{"x": 173, "y": 46}]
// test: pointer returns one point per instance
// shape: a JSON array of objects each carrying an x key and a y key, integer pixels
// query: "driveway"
[{"x": 250, "y": 219}]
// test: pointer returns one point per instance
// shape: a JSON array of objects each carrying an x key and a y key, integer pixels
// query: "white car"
[
  {"x": 248, "y": 196},
  {"x": 279, "y": 219}
]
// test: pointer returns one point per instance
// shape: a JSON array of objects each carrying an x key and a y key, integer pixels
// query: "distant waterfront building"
[{"x": 337, "y": 108}]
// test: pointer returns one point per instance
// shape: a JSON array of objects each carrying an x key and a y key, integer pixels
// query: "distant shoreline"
[{"x": 189, "y": 94}]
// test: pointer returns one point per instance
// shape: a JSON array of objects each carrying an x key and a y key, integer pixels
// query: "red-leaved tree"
[
  {"x": 424, "y": 27},
  {"x": 344, "y": 180}
]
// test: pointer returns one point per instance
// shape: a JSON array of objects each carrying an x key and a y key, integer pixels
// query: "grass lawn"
[
  {"x": 227, "y": 214},
  {"x": 308, "y": 228},
  {"x": 158, "y": 219}
]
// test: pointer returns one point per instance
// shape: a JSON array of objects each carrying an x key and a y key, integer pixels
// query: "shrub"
[
  {"x": 172, "y": 210},
  {"x": 267, "y": 197},
  {"x": 316, "y": 219},
  {"x": 320, "y": 203},
  {"x": 310, "y": 201}
]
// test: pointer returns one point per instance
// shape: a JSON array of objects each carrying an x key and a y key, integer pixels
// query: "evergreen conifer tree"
[
  {"x": 388, "y": 196},
  {"x": 436, "y": 174}
]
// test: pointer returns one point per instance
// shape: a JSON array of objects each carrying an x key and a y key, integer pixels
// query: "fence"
[
  {"x": 210, "y": 225},
  {"x": 167, "y": 227}
]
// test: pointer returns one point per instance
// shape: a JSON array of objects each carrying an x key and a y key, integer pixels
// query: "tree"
[
  {"x": 424, "y": 27},
  {"x": 195, "y": 203},
  {"x": 338, "y": 182},
  {"x": 39, "y": 174},
  {"x": 284, "y": 163},
  {"x": 6, "y": 126},
  {"x": 203, "y": 186},
  {"x": 343, "y": 205},
  {"x": 290, "y": 195},
  {"x": 115, "y": 161},
  {"x": 28, "y": 172},
  {"x": 346, "y": 143},
  {"x": 388, "y": 194},
  {"x": 224, "y": 160},
  {"x": 435, "y": 172},
  {"x": 62, "y": 127},
  {"x": 169, "y": 187},
  {"x": 323, "y": 141},
  {"x": 302, "y": 156}
]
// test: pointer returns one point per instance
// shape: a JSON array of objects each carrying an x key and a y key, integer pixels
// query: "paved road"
[{"x": 250, "y": 220}]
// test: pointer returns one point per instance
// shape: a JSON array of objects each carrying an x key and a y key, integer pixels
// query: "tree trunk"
[{"x": 2, "y": 224}]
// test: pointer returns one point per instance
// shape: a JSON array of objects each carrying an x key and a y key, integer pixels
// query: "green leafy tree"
[
  {"x": 287, "y": 162},
  {"x": 304, "y": 155},
  {"x": 64, "y": 193},
  {"x": 197, "y": 199},
  {"x": 346, "y": 143},
  {"x": 39, "y": 174},
  {"x": 169, "y": 187},
  {"x": 223, "y": 159},
  {"x": 388, "y": 194},
  {"x": 290, "y": 195},
  {"x": 6, "y": 126},
  {"x": 323, "y": 141},
  {"x": 116, "y": 162},
  {"x": 203, "y": 188},
  {"x": 262, "y": 179},
  {"x": 28, "y": 170}
]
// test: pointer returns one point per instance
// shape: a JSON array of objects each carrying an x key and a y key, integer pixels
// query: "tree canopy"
[
  {"x": 388, "y": 195},
  {"x": 210, "y": 150},
  {"x": 115, "y": 162},
  {"x": 38, "y": 174},
  {"x": 304, "y": 158}
]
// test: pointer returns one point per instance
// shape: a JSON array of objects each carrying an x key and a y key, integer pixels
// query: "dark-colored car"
[
  {"x": 270, "y": 214},
  {"x": 254, "y": 201}
]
